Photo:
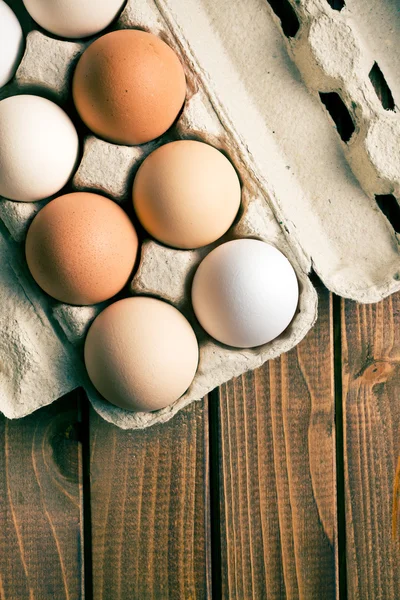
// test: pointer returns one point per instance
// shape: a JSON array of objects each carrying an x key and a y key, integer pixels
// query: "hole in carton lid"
[
  {"x": 285, "y": 12},
  {"x": 339, "y": 113},
  {"x": 381, "y": 87},
  {"x": 336, "y": 4},
  {"x": 390, "y": 208}
]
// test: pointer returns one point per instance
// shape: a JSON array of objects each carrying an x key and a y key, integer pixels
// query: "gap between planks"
[{"x": 277, "y": 469}]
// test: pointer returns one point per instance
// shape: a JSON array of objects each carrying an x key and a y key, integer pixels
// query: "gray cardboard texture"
[{"x": 304, "y": 190}]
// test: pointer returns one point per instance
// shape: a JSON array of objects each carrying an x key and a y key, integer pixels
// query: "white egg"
[
  {"x": 74, "y": 18},
  {"x": 11, "y": 43},
  {"x": 39, "y": 148},
  {"x": 245, "y": 293}
]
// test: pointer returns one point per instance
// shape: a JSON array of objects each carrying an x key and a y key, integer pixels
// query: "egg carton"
[{"x": 306, "y": 203}]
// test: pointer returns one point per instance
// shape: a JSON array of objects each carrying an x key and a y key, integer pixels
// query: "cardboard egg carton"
[{"x": 298, "y": 192}]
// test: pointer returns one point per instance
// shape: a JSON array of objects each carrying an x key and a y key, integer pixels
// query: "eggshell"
[
  {"x": 245, "y": 293},
  {"x": 11, "y": 43},
  {"x": 81, "y": 248},
  {"x": 141, "y": 354},
  {"x": 129, "y": 87},
  {"x": 39, "y": 148},
  {"x": 186, "y": 194},
  {"x": 74, "y": 18}
]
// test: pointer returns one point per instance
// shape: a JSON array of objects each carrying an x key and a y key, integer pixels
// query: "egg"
[
  {"x": 245, "y": 293},
  {"x": 73, "y": 18},
  {"x": 39, "y": 148},
  {"x": 81, "y": 248},
  {"x": 141, "y": 354},
  {"x": 129, "y": 87},
  {"x": 11, "y": 43},
  {"x": 186, "y": 194}
]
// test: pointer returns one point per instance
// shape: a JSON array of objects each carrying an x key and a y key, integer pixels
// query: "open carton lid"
[{"x": 322, "y": 188}]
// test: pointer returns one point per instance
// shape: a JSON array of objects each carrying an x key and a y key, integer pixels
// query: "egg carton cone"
[{"x": 255, "y": 83}]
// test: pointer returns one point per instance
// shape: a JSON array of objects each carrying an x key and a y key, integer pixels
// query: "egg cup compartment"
[{"x": 167, "y": 273}]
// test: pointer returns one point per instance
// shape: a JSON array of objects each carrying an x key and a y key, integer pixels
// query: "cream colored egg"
[
  {"x": 11, "y": 43},
  {"x": 141, "y": 354},
  {"x": 186, "y": 194},
  {"x": 39, "y": 148},
  {"x": 74, "y": 18}
]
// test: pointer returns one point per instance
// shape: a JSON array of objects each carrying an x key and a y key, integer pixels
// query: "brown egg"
[
  {"x": 186, "y": 194},
  {"x": 129, "y": 87},
  {"x": 81, "y": 248}
]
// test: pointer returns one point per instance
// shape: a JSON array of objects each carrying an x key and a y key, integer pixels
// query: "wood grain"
[
  {"x": 40, "y": 505},
  {"x": 277, "y": 474},
  {"x": 150, "y": 509},
  {"x": 371, "y": 396}
]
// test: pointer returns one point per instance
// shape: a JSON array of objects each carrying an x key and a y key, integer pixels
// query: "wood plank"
[
  {"x": 371, "y": 408},
  {"x": 40, "y": 505},
  {"x": 150, "y": 509},
  {"x": 277, "y": 477}
]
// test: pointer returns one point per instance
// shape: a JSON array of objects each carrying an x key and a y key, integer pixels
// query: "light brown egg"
[
  {"x": 81, "y": 248},
  {"x": 129, "y": 87},
  {"x": 186, "y": 194},
  {"x": 141, "y": 354}
]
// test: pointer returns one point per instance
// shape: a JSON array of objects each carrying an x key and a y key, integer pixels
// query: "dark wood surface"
[
  {"x": 277, "y": 474},
  {"x": 150, "y": 509},
  {"x": 371, "y": 408},
  {"x": 281, "y": 485},
  {"x": 41, "y": 524}
]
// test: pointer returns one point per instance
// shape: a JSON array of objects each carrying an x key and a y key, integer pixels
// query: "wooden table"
[{"x": 279, "y": 485}]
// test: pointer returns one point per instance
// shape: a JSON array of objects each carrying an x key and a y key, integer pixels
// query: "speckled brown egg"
[
  {"x": 81, "y": 248},
  {"x": 129, "y": 87}
]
